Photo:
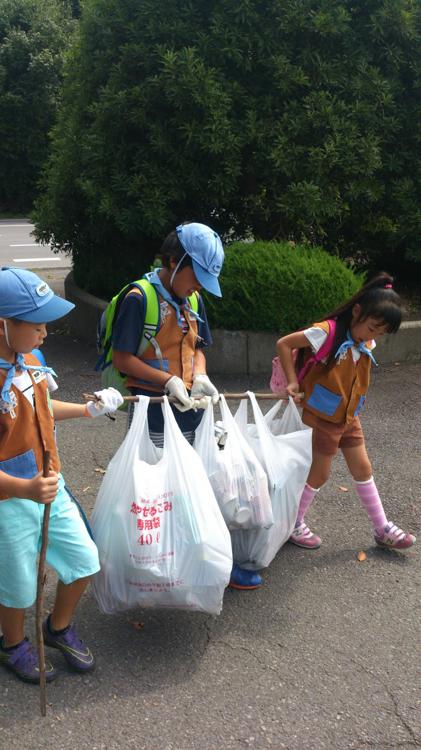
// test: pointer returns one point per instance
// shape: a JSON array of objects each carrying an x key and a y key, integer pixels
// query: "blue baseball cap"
[
  {"x": 24, "y": 296},
  {"x": 204, "y": 247}
]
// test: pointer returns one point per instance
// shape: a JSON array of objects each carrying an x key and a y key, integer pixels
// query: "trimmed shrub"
[{"x": 278, "y": 287}]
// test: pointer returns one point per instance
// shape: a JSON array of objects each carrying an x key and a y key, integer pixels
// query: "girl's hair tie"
[{"x": 388, "y": 286}]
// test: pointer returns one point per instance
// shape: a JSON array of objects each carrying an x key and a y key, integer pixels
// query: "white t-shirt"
[
  {"x": 23, "y": 383},
  {"x": 317, "y": 336}
]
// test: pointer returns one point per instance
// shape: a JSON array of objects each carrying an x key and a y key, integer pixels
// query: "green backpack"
[{"x": 110, "y": 376}]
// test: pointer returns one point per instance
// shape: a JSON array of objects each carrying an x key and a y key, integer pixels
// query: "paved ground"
[
  {"x": 18, "y": 247},
  {"x": 325, "y": 656}
]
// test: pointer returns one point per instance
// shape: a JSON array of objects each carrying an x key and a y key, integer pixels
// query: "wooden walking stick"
[{"x": 40, "y": 593}]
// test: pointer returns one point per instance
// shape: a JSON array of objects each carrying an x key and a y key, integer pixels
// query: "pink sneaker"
[
  {"x": 303, "y": 537},
  {"x": 394, "y": 537}
]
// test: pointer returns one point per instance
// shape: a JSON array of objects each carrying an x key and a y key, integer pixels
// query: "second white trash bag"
[
  {"x": 287, "y": 460},
  {"x": 235, "y": 473},
  {"x": 161, "y": 537}
]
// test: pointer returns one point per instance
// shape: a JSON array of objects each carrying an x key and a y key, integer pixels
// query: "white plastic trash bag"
[
  {"x": 161, "y": 537},
  {"x": 236, "y": 475},
  {"x": 288, "y": 421},
  {"x": 286, "y": 458}
]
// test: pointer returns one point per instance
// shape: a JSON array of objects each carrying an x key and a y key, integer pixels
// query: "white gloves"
[
  {"x": 176, "y": 388},
  {"x": 202, "y": 386},
  {"x": 202, "y": 393},
  {"x": 109, "y": 400}
]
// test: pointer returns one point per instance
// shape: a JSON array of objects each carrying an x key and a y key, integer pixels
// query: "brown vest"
[
  {"x": 30, "y": 431},
  {"x": 177, "y": 349},
  {"x": 337, "y": 392}
]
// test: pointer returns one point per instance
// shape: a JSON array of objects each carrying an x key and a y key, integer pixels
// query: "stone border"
[{"x": 238, "y": 352}]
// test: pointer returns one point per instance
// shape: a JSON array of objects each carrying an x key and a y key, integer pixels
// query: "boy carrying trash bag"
[
  {"x": 27, "y": 416},
  {"x": 174, "y": 361}
]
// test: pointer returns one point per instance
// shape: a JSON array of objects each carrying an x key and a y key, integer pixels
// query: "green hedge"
[{"x": 278, "y": 287}]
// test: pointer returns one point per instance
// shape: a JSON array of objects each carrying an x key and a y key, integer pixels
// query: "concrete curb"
[{"x": 238, "y": 352}]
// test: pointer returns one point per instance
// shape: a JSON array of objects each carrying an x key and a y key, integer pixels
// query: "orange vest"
[
  {"x": 337, "y": 392},
  {"x": 30, "y": 431},
  {"x": 177, "y": 349}
]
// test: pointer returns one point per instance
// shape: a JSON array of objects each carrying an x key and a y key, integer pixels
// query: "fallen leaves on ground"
[
  {"x": 99, "y": 470},
  {"x": 343, "y": 489},
  {"x": 361, "y": 556},
  {"x": 137, "y": 624}
]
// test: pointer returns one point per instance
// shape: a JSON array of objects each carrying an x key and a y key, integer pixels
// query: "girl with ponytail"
[{"x": 332, "y": 393}]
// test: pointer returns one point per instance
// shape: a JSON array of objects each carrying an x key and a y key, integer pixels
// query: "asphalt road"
[
  {"x": 18, "y": 247},
  {"x": 326, "y": 655}
]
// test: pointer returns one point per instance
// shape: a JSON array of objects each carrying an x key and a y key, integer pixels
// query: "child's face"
[
  {"x": 185, "y": 282},
  {"x": 23, "y": 336},
  {"x": 366, "y": 329}
]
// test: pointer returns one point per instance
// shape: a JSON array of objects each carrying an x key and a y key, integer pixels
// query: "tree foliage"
[
  {"x": 281, "y": 119},
  {"x": 33, "y": 37}
]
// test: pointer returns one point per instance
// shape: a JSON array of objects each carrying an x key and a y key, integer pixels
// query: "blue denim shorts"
[{"x": 71, "y": 551}]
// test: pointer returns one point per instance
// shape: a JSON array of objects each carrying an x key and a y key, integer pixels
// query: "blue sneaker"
[
  {"x": 76, "y": 653},
  {"x": 23, "y": 661},
  {"x": 243, "y": 579}
]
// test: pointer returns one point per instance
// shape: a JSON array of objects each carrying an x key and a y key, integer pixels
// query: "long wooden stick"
[
  {"x": 40, "y": 593},
  {"x": 237, "y": 396}
]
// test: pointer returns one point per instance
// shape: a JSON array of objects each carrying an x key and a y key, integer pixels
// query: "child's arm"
[
  {"x": 66, "y": 410},
  {"x": 133, "y": 366},
  {"x": 108, "y": 400},
  {"x": 199, "y": 362},
  {"x": 284, "y": 347},
  {"x": 39, "y": 489}
]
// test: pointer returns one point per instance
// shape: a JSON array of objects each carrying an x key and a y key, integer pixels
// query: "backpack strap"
[
  {"x": 326, "y": 347},
  {"x": 193, "y": 301},
  {"x": 152, "y": 317},
  {"x": 323, "y": 352}
]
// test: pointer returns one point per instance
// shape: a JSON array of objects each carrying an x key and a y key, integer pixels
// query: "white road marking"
[
  {"x": 31, "y": 260},
  {"x": 29, "y": 244},
  {"x": 18, "y": 226}
]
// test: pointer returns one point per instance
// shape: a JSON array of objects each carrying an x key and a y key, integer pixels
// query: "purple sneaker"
[
  {"x": 393, "y": 537},
  {"x": 23, "y": 661},
  {"x": 302, "y": 536},
  {"x": 73, "y": 649}
]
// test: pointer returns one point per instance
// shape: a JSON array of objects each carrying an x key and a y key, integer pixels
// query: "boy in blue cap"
[
  {"x": 174, "y": 362},
  {"x": 27, "y": 417},
  {"x": 192, "y": 257}
]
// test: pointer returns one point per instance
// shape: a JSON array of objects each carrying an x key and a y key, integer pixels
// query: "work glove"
[
  {"x": 109, "y": 400},
  {"x": 201, "y": 403},
  {"x": 202, "y": 386},
  {"x": 176, "y": 388}
]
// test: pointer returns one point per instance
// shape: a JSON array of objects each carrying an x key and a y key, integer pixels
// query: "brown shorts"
[{"x": 328, "y": 436}]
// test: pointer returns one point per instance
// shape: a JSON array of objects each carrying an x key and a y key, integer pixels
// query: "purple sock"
[
  {"x": 305, "y": 501},
  {"x": 370, "y": 499}
]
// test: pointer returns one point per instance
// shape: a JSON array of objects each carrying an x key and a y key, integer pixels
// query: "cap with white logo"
[{"x": 24, "y": 296}]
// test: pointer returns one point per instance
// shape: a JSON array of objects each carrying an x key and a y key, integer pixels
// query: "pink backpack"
[{"x": 278, "y": 382}]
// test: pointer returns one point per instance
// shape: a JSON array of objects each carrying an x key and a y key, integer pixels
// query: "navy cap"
[
  {"x": 204, "y": 247},
  {"x": 24, "y": 296}
]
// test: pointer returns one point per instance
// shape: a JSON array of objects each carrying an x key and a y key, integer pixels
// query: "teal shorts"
[{"x": 71, "y": 551}]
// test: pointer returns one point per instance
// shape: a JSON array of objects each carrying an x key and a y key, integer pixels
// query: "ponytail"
[{"x": 377, "y": 299}]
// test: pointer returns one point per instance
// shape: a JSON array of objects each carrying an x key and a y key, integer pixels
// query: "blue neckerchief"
[
  {"x": 153, "y": 278},
  {"x": 20, "y": 362},
  {"x": 349, "y": 342}
]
